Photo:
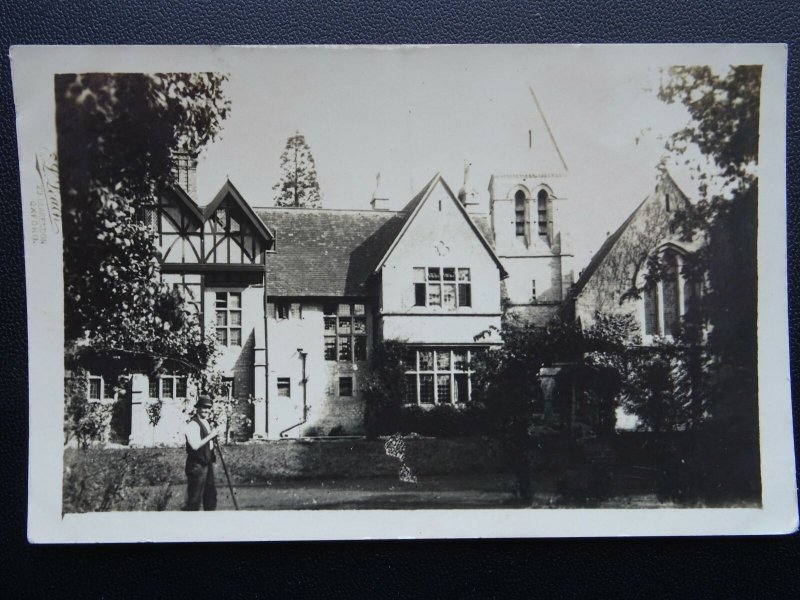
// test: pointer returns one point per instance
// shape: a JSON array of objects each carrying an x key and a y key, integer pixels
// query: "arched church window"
[
  {"x": 542, "y": 197},
  {"x": 651, "y": 310},
  {"x": 670, "y": 285},
  {"x": 668, "y": 301},
  {"x": 519, "y": 213}
]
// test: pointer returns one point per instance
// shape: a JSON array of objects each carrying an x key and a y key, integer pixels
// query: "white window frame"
[
  {"x": 435, "y": 372},
  {"x": 228, "y": 311},
  {"x": 288, "y": 387},
  {"x": 338, "y": 332},
  {"x": 103, "y": 397},
  {"x": 160, "y": 380},
  {"x": 429, "y": 282}
]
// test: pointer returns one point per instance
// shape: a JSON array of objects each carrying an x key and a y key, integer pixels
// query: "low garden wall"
[{"x": 284, "y": 459}]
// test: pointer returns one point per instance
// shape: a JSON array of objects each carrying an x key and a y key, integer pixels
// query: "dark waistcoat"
[{"x": 204, "y": 455}]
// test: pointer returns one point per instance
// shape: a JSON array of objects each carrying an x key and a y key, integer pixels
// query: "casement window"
[
  {"x": 345, "y": 336},
  {"x": 100, "y": 389},
  {"x": 345, "y": 386},
  {"x": 438, "y": 376},
  {"x": 519, "y": 213},
  {"x": 168, "y": 387},
  {"x": 229, "y": 318},
  {"x": 448, "y": 287},
  {"x": 533, "y": 290},
  {"x": 667, "y": 301},
  {"x": 283, "y": 310},
  {"x": 189, "y": 285},
  {"x": 284, "y": 387}
]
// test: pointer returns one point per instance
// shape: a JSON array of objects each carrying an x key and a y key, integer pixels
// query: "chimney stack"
[
  {"x": 378, "y": 203},
  {"x": 184, "y": 171}
]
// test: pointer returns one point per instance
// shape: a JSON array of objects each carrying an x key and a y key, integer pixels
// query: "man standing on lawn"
[{"x": 200, "y": 458}]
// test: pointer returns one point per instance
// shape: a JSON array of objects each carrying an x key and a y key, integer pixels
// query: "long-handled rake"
[{"x": 227, "y": 475}]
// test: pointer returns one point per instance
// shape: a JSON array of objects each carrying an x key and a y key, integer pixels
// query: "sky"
[{"x": 408, "y": 113}]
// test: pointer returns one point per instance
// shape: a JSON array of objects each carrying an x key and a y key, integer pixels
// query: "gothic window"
[
  {"x": 667, "y": 301},
  {"x": 670, "y": 294},
  {"x": 542, "y": 200},
  {"x": 519, "y": 213}
]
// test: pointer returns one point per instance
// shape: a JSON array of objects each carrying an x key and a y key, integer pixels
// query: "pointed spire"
[{"x": 547, "y": 128}]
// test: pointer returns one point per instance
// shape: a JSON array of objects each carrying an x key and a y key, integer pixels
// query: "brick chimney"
[
  {"x": 184, "y": 170},
  {"x": 378, "y": 203}
]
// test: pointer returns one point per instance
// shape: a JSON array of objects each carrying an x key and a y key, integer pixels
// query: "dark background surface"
[{"x": 741, "y": 567}]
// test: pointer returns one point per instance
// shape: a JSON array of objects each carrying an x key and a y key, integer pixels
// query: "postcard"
[{"x": 381, "y": 292}]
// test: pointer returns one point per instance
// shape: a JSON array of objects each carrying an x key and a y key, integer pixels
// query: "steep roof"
[
  {"x": 322, "y": 252},
  {"x": 228, "y": 190},
  {"x": 528, "y": 147},
  {"x": 604, "y": 250},
  {"x": 665, "y": 178},
  {"x": 412, "y": 209}
]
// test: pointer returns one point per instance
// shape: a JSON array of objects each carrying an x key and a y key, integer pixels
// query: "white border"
[{"x": 33, "y": 68}]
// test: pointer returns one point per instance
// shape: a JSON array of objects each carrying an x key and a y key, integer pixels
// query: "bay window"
[{"x": 438, "y": 376}]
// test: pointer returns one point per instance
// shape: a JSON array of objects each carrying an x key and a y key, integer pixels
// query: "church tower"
[{"x": 526, "y": 204}]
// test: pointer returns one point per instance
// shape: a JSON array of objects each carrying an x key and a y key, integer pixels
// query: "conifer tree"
[{"x": 298, "y": 185}]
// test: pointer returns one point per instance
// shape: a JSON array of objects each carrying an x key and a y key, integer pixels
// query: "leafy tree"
[
  {"x": 385, "y": 388},
  {"x": 508, "y": 383},
  {"x": 298, "y": 184},
  {"x": 117, "y": 134},
  {"x": 723, "y": 127}
]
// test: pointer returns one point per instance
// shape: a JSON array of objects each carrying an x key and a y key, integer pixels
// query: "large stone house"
[{"x": 298, "y": 298}]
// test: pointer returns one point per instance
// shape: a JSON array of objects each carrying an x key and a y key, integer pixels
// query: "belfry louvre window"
[
  {"x": 448, "y": 287},
  {"x": 519, "y": 213},
  {"x": 438, "y": 376},
  {"x": 229, "y": 318},
  {"x": 542, "y": 201},
  {"x": 345, "y": 334}
]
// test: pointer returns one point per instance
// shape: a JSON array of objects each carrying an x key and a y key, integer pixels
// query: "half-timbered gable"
[
  {"x": 177, "y": 222},
  {"x": 232, "y": 233}
]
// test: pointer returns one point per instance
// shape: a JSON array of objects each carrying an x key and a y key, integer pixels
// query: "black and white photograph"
[{"x": 381, "y": 292}]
